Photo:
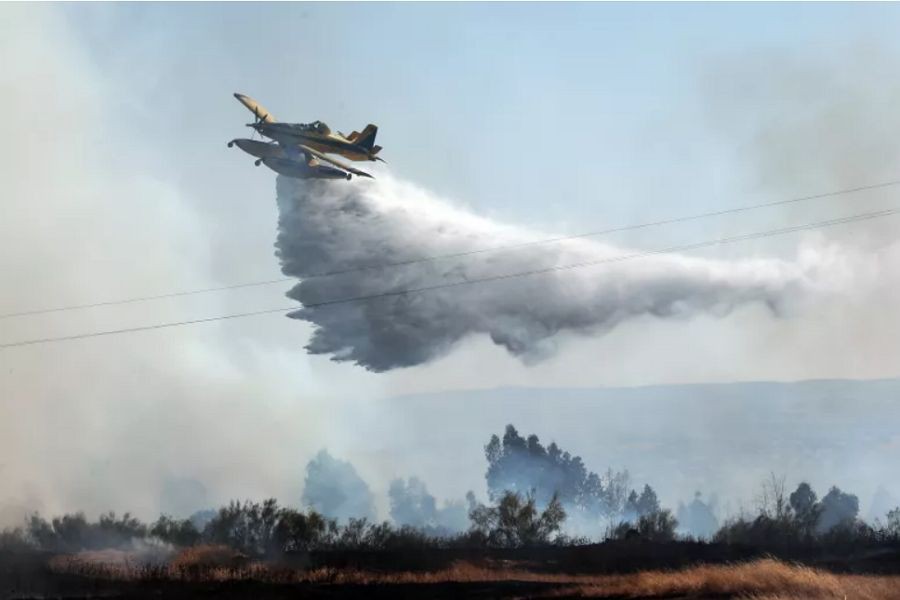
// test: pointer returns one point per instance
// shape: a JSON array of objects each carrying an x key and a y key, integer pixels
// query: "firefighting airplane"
[{"x": 300, "y": 149}]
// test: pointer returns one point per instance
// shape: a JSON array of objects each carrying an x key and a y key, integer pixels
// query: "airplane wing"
[
  {"x": 256, "y": 108},
  {"x": 339, "y": 164}
]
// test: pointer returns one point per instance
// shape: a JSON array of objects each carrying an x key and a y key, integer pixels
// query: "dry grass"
[
  {"x": 758, "y": 580},
  {"x": 766, "y": 579},
  {"x": 207, "y": 555}
]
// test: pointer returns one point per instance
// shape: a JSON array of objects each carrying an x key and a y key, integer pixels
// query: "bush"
[
  {"x": 514, "y": 521},
  {"x": 657, "y": 526}
]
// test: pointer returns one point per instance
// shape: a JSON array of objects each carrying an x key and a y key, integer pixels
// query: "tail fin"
[{"x": 366, "y": 139}]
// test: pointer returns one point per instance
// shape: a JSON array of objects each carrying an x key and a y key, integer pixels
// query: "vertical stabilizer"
[{"x": 366, "y": 138}]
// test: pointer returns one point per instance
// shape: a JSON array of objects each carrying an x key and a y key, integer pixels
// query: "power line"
[
  {"x": 91, "y": 334},
  {"x": 42, "y": 311},
  {"x": 437, "y": 257},
  {"x": 505, "y": 276}
]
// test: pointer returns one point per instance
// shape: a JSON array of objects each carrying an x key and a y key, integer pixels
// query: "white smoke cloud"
[
  {"x": 326, "y": 227},
  {"x": 86, "y": 216}
]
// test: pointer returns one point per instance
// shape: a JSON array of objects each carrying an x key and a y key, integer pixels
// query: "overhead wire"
[
  {"x": 505, "y": 276},
  {"x": 436, "y": 257}
]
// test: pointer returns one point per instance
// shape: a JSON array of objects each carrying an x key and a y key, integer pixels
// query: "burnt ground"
[
  {"x": 28, "y": 575},
  {"x": 268, "y": 591}
]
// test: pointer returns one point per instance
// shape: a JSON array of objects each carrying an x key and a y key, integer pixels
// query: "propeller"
[{"x": 258, "y": 119}]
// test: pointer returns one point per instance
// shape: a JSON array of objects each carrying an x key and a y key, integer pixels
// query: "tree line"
[{"x": 535, "y": 495}]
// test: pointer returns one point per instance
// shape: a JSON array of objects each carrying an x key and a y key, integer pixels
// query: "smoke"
[
  {"x": 327, "y": 227},
  {"x": 91, "y": 214},
  {"x": 182, "y": 497},
  {"x": 103, "y": 426}
]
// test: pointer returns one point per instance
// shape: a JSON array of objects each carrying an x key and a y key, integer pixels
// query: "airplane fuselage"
[{"x": 288, "y": 134}]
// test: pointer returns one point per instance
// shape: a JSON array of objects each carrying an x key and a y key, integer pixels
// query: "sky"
[{"x": 559, "y": 118}]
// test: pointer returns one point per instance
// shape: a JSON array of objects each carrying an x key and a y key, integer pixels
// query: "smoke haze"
[{"x": 119, "y": 185}]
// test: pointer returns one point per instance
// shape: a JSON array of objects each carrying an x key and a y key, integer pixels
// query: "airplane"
[
  {"x": 297, "y": 162},
  {"x": 358, "y": 146}
]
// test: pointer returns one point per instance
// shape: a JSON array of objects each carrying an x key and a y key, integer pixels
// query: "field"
[{"x": 212, "y": 572}]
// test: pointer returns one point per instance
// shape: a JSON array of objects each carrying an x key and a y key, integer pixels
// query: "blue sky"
[{"x": 555, "y": 114}]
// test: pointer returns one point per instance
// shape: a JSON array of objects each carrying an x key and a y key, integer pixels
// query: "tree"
[
  {"x": 73, "y": 532},
  {"x": 892, "y": 525},
  {"x": 14, "y": 540},
  {"x": 41, "y": 533},
  {"x": 772, "y": 499},
  {"x": 522, "y": 465},
  {"x": 631, "y": 511},
  {"x": 637, "y": 506},
  {"x": 805, "y": 507},
  {"x": 611, "y": 500},
  {"x": 411, "y": 504},
  {"x": 647, "y": 503},
  {"x": 297, "y": 531},
  {"x": 803, "y": 499},
  {"x": 837, "y": 508},
  {"x": 515, "y": 521},
  {"x": 697, "y": 518},
  {"x": 334, "y": 489},
  {"x": 178, "y": 532},
  {"x": 248, "y": 527}
]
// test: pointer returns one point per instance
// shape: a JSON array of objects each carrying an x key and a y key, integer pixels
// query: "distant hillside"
[{"x": 711, "y": 437}]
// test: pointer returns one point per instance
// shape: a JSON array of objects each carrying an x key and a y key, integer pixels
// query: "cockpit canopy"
[
  {"x": 315, "y": 127},
  {"x": 318, "y": 127}
]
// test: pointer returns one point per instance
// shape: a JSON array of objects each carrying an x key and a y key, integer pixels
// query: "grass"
[{"x": 766, "y": 579}]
